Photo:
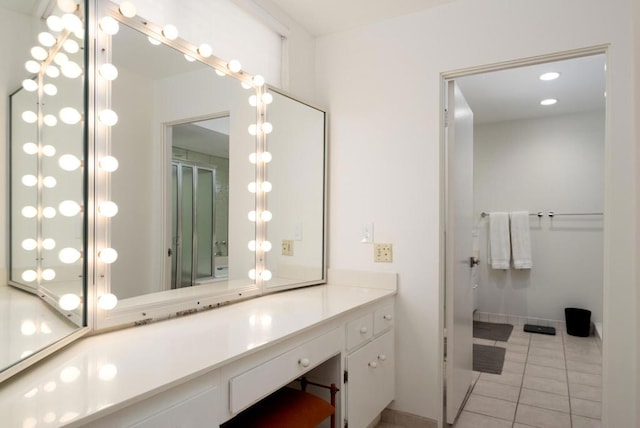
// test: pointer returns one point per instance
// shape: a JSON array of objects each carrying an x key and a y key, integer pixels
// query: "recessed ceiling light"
[
  {"x": 548, "y": 102},
  {"x": 552, "y": 75}
]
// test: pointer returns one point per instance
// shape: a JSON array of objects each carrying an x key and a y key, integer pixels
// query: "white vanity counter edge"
[{"x": 104, "y": 373}]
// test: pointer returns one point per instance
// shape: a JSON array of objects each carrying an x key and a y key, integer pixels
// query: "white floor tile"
[
  {"x": 475, "y": 420},
  {"x": 546, "y": 372},
  {"x": 497, "y": 390},
  {"x": 558, "y": 363},
  {"x": 586, "y": 392},
  {"x": 589, "y": 409},
  {"x": 512, "y": 379},
  {"x": 544, "y": 400},
  {"x": 546, "y": 385},
  {"x": 585, "y": 378},
  {"x": 582, "y": 422},
  {"x": 542, "y": 418},
  {"x": 493, "y": 407},
  {"x": 576, "y": 366}
]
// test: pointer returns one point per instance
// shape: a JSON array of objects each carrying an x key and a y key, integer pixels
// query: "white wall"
[
  {"x": 381, "y": 84},
  {"x": 552, "y": 164}
]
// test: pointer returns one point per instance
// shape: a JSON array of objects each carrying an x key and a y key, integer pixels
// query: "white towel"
[
  {"x": 499, "y": 242},
  {"x": 521, "y": 240}
]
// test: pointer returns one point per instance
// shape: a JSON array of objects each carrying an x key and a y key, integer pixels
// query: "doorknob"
[{"x": 473, "y": 261}]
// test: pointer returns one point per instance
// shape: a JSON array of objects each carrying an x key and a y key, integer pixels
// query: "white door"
[{"x": 458, "y": 245}]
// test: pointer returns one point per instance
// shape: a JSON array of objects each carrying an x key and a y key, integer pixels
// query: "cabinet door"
[{"x": 371, "y": 384}]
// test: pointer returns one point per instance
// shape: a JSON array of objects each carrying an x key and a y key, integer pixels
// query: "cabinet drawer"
[
  {"x": 359, "y": 331},
  {"x": 383, "y": 319},
  {"x": 260, "y": 381}
]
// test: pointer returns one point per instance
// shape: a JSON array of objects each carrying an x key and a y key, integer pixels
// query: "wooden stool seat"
[{"x": 285, "y": 408}]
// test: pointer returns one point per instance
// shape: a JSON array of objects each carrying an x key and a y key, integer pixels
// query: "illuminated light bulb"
[
  {"x": 107, "y": 255},
  {"x": 107, "y": 372},
  {"x": 29, "y": 180},
  {"x": 266, "y": 275},
  {"x": 252, "y": 245},
  {"x": 29, "y": 244},
  {"x": 108, "y": 209},
  {"x": 252, "y": 216},
  {"x": 170, "y": 32},
  {"x": 69, "y": 255},
  {"x": 128, "y": 9},
  {"x": 70, "y": 116},
  {"x": 252, "y": 187},
  {"x": 39, "y": 53},
  {"x": 258, "y": 80},
  {"x": 67, "y": 6},
  {"x": 30, "y": 85},
  {"x": 108, "y": 163},
  {"x": 205, "y": 50},
  {"x": 266, "y": 215},
  {"x": 50, "y": 89},
  {"x": 234, "y": 65},
  {"x": 253, "y": 100},
  {"x": 30, "y": 148},
  {"x": 253, "y": 158},
  {"x": 70, "y": 373},
  {"x": 253, "y": 129},
  {"x": 266, "y": 157},
  {"x": 109, "y": 25},
  {"x": 108, "y": 117},
  {"x": 49, "y": 182},
  {"x": 48, "y": 150},
  {"x": 107, "y": 301},
  {"x": 29, "y": 211},
  {"x": 46, "y": 39},
  {"x": 71, "y": 70},
  {"x": 49, "y": 212},
  {"x": 69, "y": 302},
  {"x": 50, "y": 120},
  {"x": 266, "y": 127},
  {"x": 32, "y": 66},
  {"x": 69, "y": 208},
  {"x": 252, "y": 274},
  {"x": 55, "y": 23},
  {"x": 267, "y": 98},
  {"x": 154, "y": 41},
  {"x": 552, "y": 75},
  {"x": 220, "y": 73},
  {"x": 72, "y": 23},
  {"x": 189, "y": 58},
  {"x": 48, "y": 274},
  {"x": 79, "y": 33},
  {"x": 266, "y": 186},
  {"x": 44, "y": 327},
  {"x": 548, "y": 102},
  {"x": 108, "y": 71},
  {"x": 52, "y": 71},
  {"x": 29, "y": 116},
  {"x": 28, "y": 327},
  {"x": 49, "y": 244},
  {"x": 29, "y": 275},
  {"x": 265, "y": 246},
  {"x": 69, "y": 162},
  {"x": 245, "y": 85}
]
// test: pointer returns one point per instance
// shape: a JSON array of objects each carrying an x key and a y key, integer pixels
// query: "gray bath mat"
[
  {"x": 488, "y": 359},
  {"x": 492, "y": 330}
]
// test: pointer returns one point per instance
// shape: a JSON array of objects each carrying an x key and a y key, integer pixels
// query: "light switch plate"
[
  {"x": 382, "y": 253},
  {"x": 287, "y": 247}
]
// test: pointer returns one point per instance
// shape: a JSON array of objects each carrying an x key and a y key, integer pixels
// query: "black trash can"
[{"x": 578, "y": 321}]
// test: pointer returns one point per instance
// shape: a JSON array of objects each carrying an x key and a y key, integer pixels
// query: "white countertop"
[{"x": 108, "y": 371}]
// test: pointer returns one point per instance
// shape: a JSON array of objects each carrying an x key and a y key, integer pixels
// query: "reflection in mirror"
[
  {"x": 45, "y": 304},
  {"x": 181, "y": 186},
  {"x": 297, "y": 199}
]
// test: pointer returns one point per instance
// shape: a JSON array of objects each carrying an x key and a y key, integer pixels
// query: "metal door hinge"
[{"x": 345, "y": 377}]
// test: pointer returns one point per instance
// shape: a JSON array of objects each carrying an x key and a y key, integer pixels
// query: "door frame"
[{"x": 444, "y": 168}]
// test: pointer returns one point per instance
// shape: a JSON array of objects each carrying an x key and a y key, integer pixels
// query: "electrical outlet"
[
  {"x": 382, "y": 253},
  {"x": 287, "y": 247}
]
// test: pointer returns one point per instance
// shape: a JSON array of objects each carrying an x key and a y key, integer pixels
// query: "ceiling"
[{"x": 21, "y": 6}]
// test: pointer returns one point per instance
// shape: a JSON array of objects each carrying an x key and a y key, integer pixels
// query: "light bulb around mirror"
[
  {"x": 205, "y": 50},
  {"x": 29, "y": 116},
  {"x": 29, "y": 211},
  {"x": 30, "y": 85},
  {"x": 246, "y": 85},
  {"x": 108, "y": 71},
  {"x": 69, "y": 255},
  {"x": 128, "y": 9},
  {"x": 69, "y": 302},
  {"x": 266, "y": 186},
  {"x": 108, "y": 163},
  {"x": 252, "y": 245},
  {"x": 253, "y": 129},
  {"x": 48, "y": 150},
  {"x": 32, "y": 66},
  {"x": 252, "y": 216},
  {"x": 265, "y": 246},
  {"x": 107, "y": 301},
  {"x": 189, "y": 58},
  {"x": 50, "y": 120},
  {"x": 220, "y": 72},
  {"x": 253, "y": 100},
  {"x": 69, "y": 162},
  {"x": 46, "y": 39},
  {"x": 258, "y": 80},
  {"x": 107, "y": 255},
  {"x": 72, "y": 23},
  {"x": 253, "y": 158},
  {"x": 49, "y": 182},
  {"x": 29, "y": 275},
  {"x": 71, "y": 70},
  {"x": 108, "y": 209},
  {"x": 69, "y": 208},
  {"x": 49, "y": 244},
  {"x": 48, "y": 274},
  {"x": 71, "y": 46},
  {"x": 252, "y": 187},
  {"x": 266, "y": 127},
  {"x": 30, "y": 148},
  {"x": 267, "y": 98},
  {"x": 61, "y": 58},
  {"x": 70, "y": 116},
  {"x": 252, "y": 274},
  {"x": 29, "y": 244},
  {"x": 108, "y": 117},
  {"x": 55, "y": 24},
  {"x": 266, "y": 275},
  {"x": 234, "y": 65},
  {"x": 29, "y": 180},
  {"x": 170, "y": 32},
  {"x": 154, "y": 41},
  {"x": 52, "y": 71},
  {"x": 109, "y": 25},
  {"x": 67, "y": 6},
  {"x": 50, "y": 89},
  {"x": 49, "y": 212},
  {"x": 266, "y": 215},
  {"x": 266, "y": 157},
  {"x": 39, "y": 53}
]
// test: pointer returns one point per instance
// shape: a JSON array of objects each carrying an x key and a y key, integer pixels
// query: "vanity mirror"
[{"x": 44, "y": 303}]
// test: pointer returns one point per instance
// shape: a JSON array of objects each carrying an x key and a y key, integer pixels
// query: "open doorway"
[{"x": 545, "y": 161}]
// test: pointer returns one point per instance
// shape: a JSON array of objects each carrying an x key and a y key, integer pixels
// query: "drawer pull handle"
[
  {"x": 382, "y": 357},
  {"x": 363, "y": 330},
  {"x": 304, "y": 362},
  {"x": 373, "y": 364},
  {"x": 387, "y": 317}
]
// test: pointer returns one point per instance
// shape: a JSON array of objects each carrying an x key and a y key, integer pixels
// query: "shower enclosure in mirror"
[{"x": 44, "y": 303}]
